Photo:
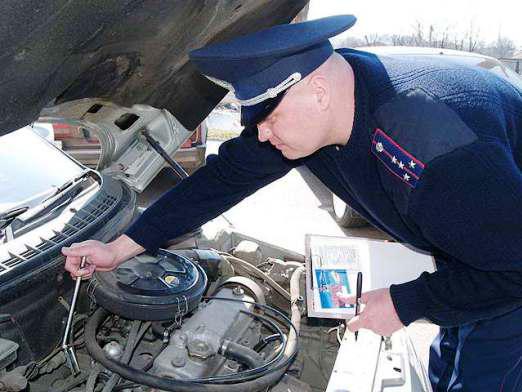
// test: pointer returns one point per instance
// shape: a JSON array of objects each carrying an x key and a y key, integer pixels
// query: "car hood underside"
[{"x": 125, "y": 51}]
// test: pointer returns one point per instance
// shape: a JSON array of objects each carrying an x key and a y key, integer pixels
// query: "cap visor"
[{"x": 252, "y": 115}]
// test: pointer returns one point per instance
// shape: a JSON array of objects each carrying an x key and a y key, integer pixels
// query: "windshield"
[{"x": 31, "y": 169}]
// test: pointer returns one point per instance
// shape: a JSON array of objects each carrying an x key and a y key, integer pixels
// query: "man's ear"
[{"x": 321, "y": 90}]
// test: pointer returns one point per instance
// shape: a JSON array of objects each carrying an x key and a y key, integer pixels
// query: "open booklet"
[{"x": 332, "y": 264}]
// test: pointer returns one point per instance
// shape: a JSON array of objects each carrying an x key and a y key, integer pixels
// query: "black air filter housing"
[{"x": 153, "y": 288}]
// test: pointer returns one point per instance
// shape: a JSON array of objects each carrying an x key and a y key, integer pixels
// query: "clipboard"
[{"x": 332, "y": 264}]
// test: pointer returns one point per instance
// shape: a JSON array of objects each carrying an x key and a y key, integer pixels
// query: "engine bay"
[{"x": 179, "y": 320}]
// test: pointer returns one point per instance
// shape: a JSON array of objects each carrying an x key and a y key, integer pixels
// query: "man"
[{"x": 428, "y": 151}]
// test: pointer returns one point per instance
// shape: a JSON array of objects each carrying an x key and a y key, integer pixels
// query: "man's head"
[
  {"x": 283, "y": 77},
  {"x": 316, "y": 112}
]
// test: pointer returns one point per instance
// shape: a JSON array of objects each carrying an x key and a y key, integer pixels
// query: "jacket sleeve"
[
  {"x": 468, "y": 204},
  {"x": 242, "y": 166}
]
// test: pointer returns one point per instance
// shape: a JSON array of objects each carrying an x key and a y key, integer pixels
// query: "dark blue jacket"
[{"x": 434, "y": 160}]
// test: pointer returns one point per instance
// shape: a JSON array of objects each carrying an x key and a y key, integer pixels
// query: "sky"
[{"x": 399, "y": 16}]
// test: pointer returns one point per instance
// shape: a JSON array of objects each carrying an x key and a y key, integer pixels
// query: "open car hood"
[{"x": 123, "y": 51}]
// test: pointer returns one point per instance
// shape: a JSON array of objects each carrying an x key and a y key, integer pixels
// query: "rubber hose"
[
  {"x": 242, "y": 354},
  {"x": 172, "y": 385},
  {"x": 295, "y": 312},
  {"x": 265, "y": 341},
  {"x": 277, "y": 362},
  {"x": 127, "y": 354}
]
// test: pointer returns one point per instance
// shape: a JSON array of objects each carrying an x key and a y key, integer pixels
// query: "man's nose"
[{"x": 263, "y": 132}]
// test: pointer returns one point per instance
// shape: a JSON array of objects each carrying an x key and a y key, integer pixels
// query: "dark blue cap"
[{"x": 260, "y": 67}]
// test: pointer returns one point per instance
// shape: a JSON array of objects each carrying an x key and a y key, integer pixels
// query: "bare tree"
[
  {"x": 373, "y": 39},
  {"x": 458, "y": 42},
  {"x": 419, "y": 34},
  {"x": 402, "y": 40},
  {"x": 502, "y": 47},
  {"x": 472, "y": 37},
  {"x": 431, "y": 31},
  {"x": 444, "y": 39},
  {"x": 352, "y": 42},
  {"x": 439, "y": 37}
]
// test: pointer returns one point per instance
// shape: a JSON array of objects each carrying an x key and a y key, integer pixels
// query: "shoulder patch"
[
  {"x": 428, "y": 127},
  {"x": 396, "y": 159}
]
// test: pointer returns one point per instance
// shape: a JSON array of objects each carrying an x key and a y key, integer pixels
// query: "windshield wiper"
[
  {"x": 56, "y": 200},
  {"x": 8, "y": 216},
  {"x": 69, "y": 184}
]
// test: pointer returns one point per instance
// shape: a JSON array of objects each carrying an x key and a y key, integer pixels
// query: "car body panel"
[
  {"x": 123, "y": 51},
  {"x": 84, "y": 144},
  {"x": 455, "y": 56},
  {"x": 126, "y": 155}
]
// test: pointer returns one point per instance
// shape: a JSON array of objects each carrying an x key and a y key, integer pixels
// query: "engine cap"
[
  {"x": 146, "y": 287},
  {"x": 161, "y": 276}
]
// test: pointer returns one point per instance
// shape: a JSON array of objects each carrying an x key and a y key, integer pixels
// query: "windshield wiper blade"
[
  {"x": 69, "y": 190},
  {"x": 8, "y": 216},
  {"x": 68, "y": 184}
]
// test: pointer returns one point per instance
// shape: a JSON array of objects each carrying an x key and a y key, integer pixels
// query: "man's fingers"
[
  {"x": 348, "y": 299},
  {"x": 77, "y": 250},
  {"x": 74, "y": 255},
  {"x": 85, "y": 272},
  {"x": 354, "y": 324},
  {"x": 72, "y": 264}
]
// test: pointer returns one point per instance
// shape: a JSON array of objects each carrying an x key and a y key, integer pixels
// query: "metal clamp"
[{"x": 178, "y": 318}]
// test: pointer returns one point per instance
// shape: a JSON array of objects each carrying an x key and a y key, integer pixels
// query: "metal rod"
[
  {"x": 178, "y": 170},
  {"x": 68, "y": 349},
  {"x": 73, "y": 305}
]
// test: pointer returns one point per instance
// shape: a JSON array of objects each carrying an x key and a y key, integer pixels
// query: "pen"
[{"x": 358, "y": 297}]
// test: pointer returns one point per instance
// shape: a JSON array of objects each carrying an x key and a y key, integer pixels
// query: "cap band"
[
  {"x": 221, "y": 83},
  {"x": 272, "y": 92}
]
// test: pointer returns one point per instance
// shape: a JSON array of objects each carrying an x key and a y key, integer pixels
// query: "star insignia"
[{"x": 399, "y": 162}]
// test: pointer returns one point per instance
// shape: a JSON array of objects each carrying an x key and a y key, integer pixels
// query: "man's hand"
[
  {"x": 99, "y": 256},
  {"x": 378, "y": 313}
]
